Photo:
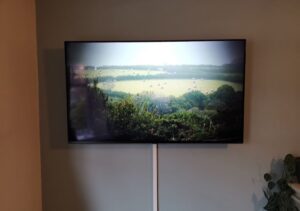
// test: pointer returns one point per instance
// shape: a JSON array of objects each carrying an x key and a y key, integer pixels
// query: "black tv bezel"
[{"x": 234, "y": 140}]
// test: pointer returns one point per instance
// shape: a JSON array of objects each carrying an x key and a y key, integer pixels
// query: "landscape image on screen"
[{"x": 156, "y": 92}]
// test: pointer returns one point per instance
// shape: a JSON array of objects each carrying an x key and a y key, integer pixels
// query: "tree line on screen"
[
  {"x": 192, "y": 117},
  {"x": 231, "y": 67},
  {"x": 227, "y": 72},
  {"x": 209, "y": 76}
]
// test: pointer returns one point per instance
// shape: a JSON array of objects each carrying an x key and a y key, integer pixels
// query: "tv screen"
[{"x": 155, "y": 91}]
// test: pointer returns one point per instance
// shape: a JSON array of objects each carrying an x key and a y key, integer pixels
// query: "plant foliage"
[
  {"x": 191, "y": 117},
  {"x": 278, "y": 192}
]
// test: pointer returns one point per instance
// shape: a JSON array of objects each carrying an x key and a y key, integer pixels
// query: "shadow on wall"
[
  {"x": 55, "y": 97},
  {"x": 276, "y": 169},
  {"x": 247, "y": 93},
  {"x": 258, "y": 203},
  {"x": 59, "y": 181}
]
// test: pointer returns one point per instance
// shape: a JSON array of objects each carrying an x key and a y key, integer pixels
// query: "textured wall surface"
[
  {"x": 20, "y": 170},
  {"x": 192, "y": 177}
]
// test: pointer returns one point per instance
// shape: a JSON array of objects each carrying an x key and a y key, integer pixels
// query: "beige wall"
[
  {"x": 192, "y": 177},
  {"x": 20, "y": 180}
]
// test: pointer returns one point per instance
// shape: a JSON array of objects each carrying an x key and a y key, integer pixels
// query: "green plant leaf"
[
  {"x": 290, "y": 164},
  {"x": 289, "y": 158},
  {"x": 272, "y": 204},
  {"x": 279, "y": 192},
  {"x": 291, "y": 169},
  {"x": 282, "y": 184},
  {"x": 267, "y": 177},
  {"x": 271, "y": 185}
]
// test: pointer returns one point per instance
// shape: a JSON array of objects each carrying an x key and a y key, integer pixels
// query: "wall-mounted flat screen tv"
[{"x": 155, "y": 91}]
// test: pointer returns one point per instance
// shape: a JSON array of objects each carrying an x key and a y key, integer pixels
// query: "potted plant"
[{"x": 278, "y": 192}]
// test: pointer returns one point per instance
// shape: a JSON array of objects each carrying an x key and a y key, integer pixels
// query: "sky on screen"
[{"x": 155, "y": 53}]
